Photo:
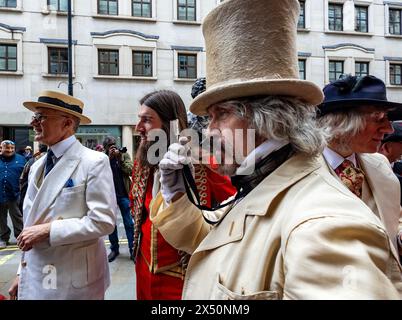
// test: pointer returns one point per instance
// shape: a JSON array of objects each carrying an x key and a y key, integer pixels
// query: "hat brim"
[
  {"x": 340, "y": 105},
  {"x": 33, "y": 105},
  {"x": 304, "y": 90}
]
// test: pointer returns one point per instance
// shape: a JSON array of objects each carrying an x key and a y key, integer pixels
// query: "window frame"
[
  {"x": 134, "y": 51},
  {"x": 7, "y": 58},
  {"x": 49, "y": 48},
  {"x": 392, "y": 64},
  {"x": 358, "y": 19},
  {"x": 186, "y": 6},
  {"x": 187, "y": 54},
  {"x": 329, "y": 69},
  {"x": 367, "y": 63},
  {"x": 7, "y": 6},
  {"x": 109, "y": 63},
  {"x": 302, "y": 14},
  {"x": 400, "y": 21},
  {"x": 108, "y": 10},
  {"x": 335, "y": 5},
  {"x": 141, "y": 2},
  {"x": 58, "y": 5},
  {"x": 304, "y": 70}
]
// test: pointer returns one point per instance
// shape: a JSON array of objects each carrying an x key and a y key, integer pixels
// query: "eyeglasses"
[
  {"x": 40, "y": 117},
  {"x": 378, "y": 116}
]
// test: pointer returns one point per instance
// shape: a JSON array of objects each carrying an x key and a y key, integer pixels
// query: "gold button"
[
  {"x": 60, "y": 218},
  {"x": 24, "y": 264}
]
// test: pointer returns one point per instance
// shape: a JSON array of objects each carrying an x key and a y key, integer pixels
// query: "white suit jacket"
[{"x": 72, "y": 263}]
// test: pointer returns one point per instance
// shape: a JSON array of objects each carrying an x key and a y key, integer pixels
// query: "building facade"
[{"x": 123, "y": 49}]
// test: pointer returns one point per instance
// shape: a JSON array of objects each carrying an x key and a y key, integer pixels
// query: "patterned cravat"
[
  {"x": 49, "y": 162},
  {"x": 351, "y": 177}
]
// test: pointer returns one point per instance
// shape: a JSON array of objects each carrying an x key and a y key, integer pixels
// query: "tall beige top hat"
[
  {"x": 251, "y": 50},
  {"x": 59, "y": 101}
]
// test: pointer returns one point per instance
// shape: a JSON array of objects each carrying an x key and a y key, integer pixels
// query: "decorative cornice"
[
  {"x": 6, "y": 26},
  {"x": 393, "y": 58},
  {"x": 394, "y": 4},
  {"x": 341, "y": 45},
  {"x": 126, "y": 31},
  {"x": 56, "y": 41},
  {"x": 304, "y": 54},
  {"x": 183, "y": 48}
]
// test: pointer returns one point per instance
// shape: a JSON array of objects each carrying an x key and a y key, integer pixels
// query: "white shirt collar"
[
  {"x": 263, "y": 150},
  {"x": 60, "y": 148},
  {"x": 335, "y": 160}
]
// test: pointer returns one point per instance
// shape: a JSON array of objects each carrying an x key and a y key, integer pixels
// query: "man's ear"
[{"x": 385, "y": 147}]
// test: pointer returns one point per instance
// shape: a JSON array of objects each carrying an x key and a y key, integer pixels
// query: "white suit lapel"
[
  {"x": 53, "y": 183},
  {"x": 374, "y": 174}
]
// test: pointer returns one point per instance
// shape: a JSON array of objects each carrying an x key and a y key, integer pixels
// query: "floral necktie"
[{"x": 351, "y": 177}]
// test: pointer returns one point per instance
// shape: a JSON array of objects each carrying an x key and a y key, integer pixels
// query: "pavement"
[{"x": 122, "y": 269}]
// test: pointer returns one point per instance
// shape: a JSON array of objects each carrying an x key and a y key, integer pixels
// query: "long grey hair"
[{"x": 281, "y": 118}]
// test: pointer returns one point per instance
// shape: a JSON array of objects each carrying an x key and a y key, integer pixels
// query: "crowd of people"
[{"x": 285, "y": 191}]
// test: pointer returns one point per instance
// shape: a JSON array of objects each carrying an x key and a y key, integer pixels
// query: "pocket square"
[{"x": 69, "y": 183}]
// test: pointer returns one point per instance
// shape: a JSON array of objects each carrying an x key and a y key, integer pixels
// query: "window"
[
  {"x": 142, "y": 63},
  {"x": 108, "y": 62},
  {"x": 187, "y": 64},
  {"x": 186, "y": 10},
  {"x": 335, "y": 17},
  {"x": 302, "y": 69},
  {"x": 8, "y": 57},
  {"x": 142, "y": 8},
  {"x": 335, "y": 70},
  {"x": 395, "y": 21},
  {"x": 361, "y": 20},
  {"x": 361, "y": 69},
  {"x": 395, "y": 74},
  {"x": 58, "y": 60},
  {"x": 109, "y": 7},
  {"x": 8, "y": 3},
  {"x": 58, "y": 5},
  {"x": 302, "y": 17}
]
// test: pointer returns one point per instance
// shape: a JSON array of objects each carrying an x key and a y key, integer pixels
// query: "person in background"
[
  {"x": 122, "y": 166},
  {"x": 11, "y": 166},
  {"x": 28, "y": 153},
  {"x": 160, "y": 268},
  {"x": 25, "y": 173},
  {"x": 356, "y": 116},
  {"x": 100, "y": 148},
  {"x": 69, "y": 207},
  {"x": 391, "y": 147}
]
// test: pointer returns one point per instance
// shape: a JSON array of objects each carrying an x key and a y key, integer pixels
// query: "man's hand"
[
  {"x": 13, "y": 291},
  {"x": 113, "y": 152},
  {"x": 172, "y": 183},
  {"x": 33, "y": 235}
]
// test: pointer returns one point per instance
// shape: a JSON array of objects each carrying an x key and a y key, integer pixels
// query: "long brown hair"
[{"x": 169, "y": 106}]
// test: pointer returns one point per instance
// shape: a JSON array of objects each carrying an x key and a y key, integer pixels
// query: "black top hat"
[
  {"x": 351, "y": 91},
  {"x": 395, "y": 136}
]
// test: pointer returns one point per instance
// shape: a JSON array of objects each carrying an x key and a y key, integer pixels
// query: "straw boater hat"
[
  {"x": 59, "y": 101},
  {"x": 251, "y": 50}
]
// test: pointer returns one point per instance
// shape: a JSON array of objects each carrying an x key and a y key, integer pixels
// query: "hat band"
[{"x": 60, "y": 103}]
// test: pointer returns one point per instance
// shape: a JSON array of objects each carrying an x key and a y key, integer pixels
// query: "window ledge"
[
  {"x": 394, "y": 86},
  {"x": 352, "y": 33},
  {"x": 5, "y": 9},
  {"x": 185, "y": 79},
  {"x": 120, "y": 17},
  {"x": 304, "y": 30},
  {"x": 124, "y": 78},
  {"x": 197, "y": 23},
  {"x": 59, "y": 13},
  {"x": 57, "y": 76},
  {"x": 398, "y": 36},
  {"x": 11, "y": 73}
]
